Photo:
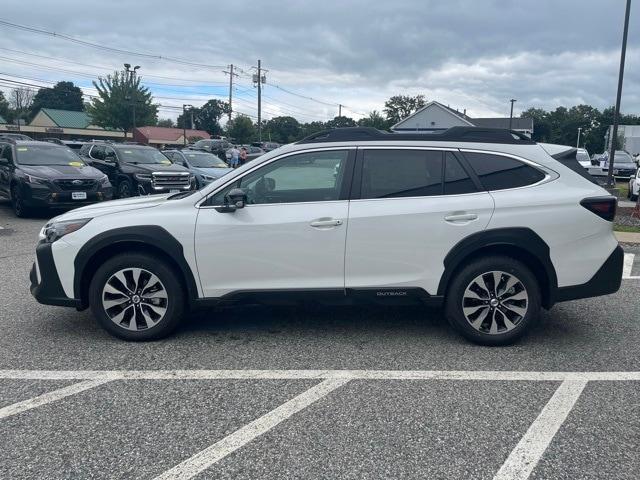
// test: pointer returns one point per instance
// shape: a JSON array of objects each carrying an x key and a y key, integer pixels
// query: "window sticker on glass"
[
  {"x": 166, "y": 162},
  {"x": 76, "y": 164},
  {"x": 128, "y": 151},
  {"x": 22, "y": 149}
]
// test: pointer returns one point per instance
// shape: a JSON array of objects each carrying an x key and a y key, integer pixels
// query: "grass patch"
[
  {"x": 624, "y": 189},
  {"x": 626, "y": 228}
]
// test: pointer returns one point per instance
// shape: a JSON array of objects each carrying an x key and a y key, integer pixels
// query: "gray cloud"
[{"x": 469, "y": 54}]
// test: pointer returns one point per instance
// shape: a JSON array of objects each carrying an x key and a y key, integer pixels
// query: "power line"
[{"x": 104, "y": 47}]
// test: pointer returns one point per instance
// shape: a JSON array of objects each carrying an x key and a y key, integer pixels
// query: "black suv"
[
  {"x": 43, "y": 174},
  {"x": 216, "y": 146},
  {"x": 138, "y": 169}
]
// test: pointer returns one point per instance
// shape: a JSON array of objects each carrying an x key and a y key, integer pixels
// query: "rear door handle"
[
  {"x": 462, "y": 217},
  {"x": 326, "y": 222}
]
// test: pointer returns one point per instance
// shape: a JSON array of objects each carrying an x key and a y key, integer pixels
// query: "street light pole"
[
  {"x": 578, "y": 142},
  {"x": 184, "y": 122},
  {"x": 616, "y": 115},
  {"x": 513, "y": 100}
]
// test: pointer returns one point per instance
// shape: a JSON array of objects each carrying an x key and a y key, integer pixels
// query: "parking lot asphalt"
[{"x": 257, "y": 392}]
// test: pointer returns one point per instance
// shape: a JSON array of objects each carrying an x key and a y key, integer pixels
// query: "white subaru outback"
[{"x": 484, "y": 222}]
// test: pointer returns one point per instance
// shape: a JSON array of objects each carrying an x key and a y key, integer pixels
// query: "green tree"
[
  {"x": 400, "y": 107},
  {"x": 63, "y": 96},
  {"x": 207, "y": 117},
  {"x": 283, "y": 129},
  {"x": 4, "y": 107},
  {"x": 117, "y": 98},
  {"x": 241, "y": 129},
  {"x": 375, "y": 120},
  {"x": 311, "y": 128},
  {"x": 165, "y": 122},
  {"x": 340, "y": 122}
]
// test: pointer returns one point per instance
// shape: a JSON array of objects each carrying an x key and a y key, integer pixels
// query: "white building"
[{"x": 436, "y": 116}]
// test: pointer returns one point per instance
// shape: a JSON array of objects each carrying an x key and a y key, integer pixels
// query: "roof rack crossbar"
[{"x": 453, "y": 134}]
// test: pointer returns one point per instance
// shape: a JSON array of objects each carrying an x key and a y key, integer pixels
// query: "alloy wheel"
[
  {"x": 495, "y": 302},
  {"x": 124, "y": 191},
  {"x": 134, "y": 299}
]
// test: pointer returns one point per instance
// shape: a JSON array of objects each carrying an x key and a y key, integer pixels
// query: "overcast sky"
[{"x": 473, "y": 54}]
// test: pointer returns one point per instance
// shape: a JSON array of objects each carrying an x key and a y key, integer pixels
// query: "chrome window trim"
[{"x": 274, "y": 159}]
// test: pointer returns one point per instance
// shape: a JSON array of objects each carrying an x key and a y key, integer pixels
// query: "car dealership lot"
[{"x": 315, "y": 392}]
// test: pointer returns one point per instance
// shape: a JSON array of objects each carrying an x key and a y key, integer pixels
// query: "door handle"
[
  {"x": 327, "y": 222},
  {"x": 462, "y": 217}
]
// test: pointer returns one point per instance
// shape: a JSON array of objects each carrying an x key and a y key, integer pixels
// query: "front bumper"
[
  {"x": 45, "y": 282},
  {"x": 607, "y": 280},
  {"x": 44, "y": 196}
]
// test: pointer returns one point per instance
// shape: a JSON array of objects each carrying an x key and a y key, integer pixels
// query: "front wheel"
[
  {"x": 136, "y": 297},
  {"x": 125, "y": 190},
  {"x": 493, "y": 300},
  {"x": 17, "y": 203}
]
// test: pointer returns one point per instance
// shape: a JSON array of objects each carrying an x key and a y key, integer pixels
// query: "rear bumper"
[
  {"x": 47, "y": 289},
  {"x": 607, "y": 280}
]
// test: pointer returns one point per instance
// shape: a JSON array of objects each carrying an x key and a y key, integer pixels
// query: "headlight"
[
  {"x": 207, "y": 178},
  {"x": 104, "y": 180},
  {"x": 32, "y": 179},
  {"x": 143, "y": 177},
  {"x": 55, "y": 230}
]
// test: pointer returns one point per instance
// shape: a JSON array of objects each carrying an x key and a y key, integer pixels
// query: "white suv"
[{"x": 484, "y": 222}]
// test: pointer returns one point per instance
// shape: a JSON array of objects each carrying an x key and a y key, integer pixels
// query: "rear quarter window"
[{"x": 500, "y": 173}]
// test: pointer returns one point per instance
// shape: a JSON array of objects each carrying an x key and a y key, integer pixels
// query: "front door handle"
[
  {"x": 461, "y": 217},
  {"x": 326, "y": 222}
]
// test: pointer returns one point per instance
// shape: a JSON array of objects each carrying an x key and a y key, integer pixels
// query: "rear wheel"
[
  {"x": 493, "y": 301},
  {"x": 136, "y": 297}
]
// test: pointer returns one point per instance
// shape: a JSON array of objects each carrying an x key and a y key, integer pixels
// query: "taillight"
[{"x": 604, "y": 207}]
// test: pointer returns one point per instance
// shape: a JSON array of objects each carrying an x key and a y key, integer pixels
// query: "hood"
[
  {"x": 155, "y": 167},
  {"x": 61, "y": 172},
  {"x": 114, "y": 206},
  {"x": 212, "y": 172}
]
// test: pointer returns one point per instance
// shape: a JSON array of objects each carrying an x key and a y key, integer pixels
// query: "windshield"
[
  {"x": 622, "y": 158},
  {"x": 204, "y": 160},
  {"x": 142, "y": 155},
  {"x": 47, "y": 155}
]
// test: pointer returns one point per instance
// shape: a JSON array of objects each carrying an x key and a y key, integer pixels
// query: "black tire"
[
  {"x": 17, "y": 203},
  {"x": 125, "y": 189},
  {"x": 519, "y": 324},
  {"x": 174, "y": 306}
]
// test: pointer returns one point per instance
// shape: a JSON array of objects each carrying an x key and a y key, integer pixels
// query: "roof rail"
[{"x": 453, "y": 134}]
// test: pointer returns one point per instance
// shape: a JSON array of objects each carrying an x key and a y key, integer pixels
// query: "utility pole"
[
  {"x": 616, "y": 115},
  {"x": 184, "y": 122},
  {"x": 339, "y": 109},
  {"x": 578, "y": 142},
  {"x": 231, "y": 75},
  {"x": 130, "y": 77},
  {"x": 259, "y": 103},
  {"x": 513, "y": 100}
]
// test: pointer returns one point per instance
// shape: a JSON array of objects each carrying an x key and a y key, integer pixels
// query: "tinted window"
[
  {"x": 401, "y": 173},
  {"x": 498, "y": 173},
  {"x": 97, "y": 152},
  {"x": 6, "y": 153},
  {"x": 307, "y": 177},
  {"x": 456, "y": 179}
]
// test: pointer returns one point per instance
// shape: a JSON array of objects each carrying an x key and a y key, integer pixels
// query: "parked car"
[
  {"x": 634, "y": 186},
  {"x": 582, "y": 155},
  {"x": 138, "y": 169},
  {"x": 206, "y": 167},
  {"x": 216, "y": 146},
  {"x": 41, "y": 174},
  {"x": 252, "y": 152},
  {"x": 266, "y": 146},
  {"x": 14, "y": 136},
  {"x": 490, "y": 226},
  {"x": 623, "y": 165}
]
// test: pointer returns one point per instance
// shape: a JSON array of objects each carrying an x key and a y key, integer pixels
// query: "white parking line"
[
  {"x": 532, "y": 445},
  {"x": 216, "y": 452},
  {"x": 49, "y": 397},
  {"x": 628, "y": 266},
  {"x": 484, "y": 375}
]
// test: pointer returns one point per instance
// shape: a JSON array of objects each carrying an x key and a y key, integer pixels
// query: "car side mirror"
[{"x": 235, "y": 199}]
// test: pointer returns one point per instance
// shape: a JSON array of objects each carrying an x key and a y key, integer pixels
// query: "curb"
[{"x": 627, "y": 237}]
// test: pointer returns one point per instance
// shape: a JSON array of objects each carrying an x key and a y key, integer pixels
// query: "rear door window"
[
  {"x": 456, "y": 179},
  {"x": 97, "y": 152},
  {"x": 397, "y": 173},
  {"x": 497, "y": 172}
]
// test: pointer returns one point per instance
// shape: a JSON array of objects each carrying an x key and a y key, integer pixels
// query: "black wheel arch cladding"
[
  {"x": 518, "y": 240},
  {"x": 153, "y": 236}
]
